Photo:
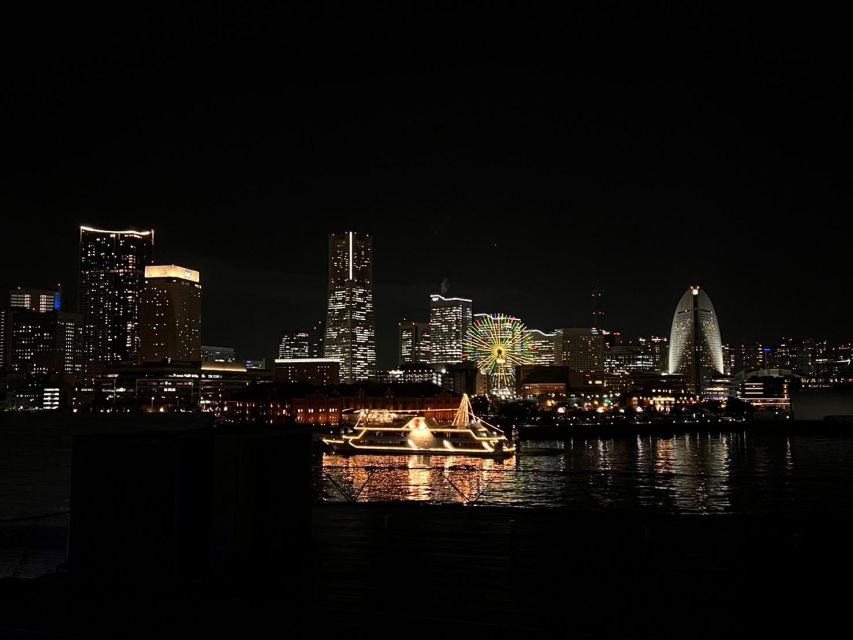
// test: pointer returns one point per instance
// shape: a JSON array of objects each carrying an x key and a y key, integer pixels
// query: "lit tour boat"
[{"x": 408, "y": 433}]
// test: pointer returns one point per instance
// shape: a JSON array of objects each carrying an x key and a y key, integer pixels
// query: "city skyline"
[
  {"x": 297, "y": 314},
  {"x": 521, "y": 175}
]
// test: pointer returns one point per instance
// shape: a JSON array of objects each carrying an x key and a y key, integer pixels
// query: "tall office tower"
[
  {"x": 582, "y": 350},
  {"x": 752, "y": 357},
  {"x": 171, "y": 315},
  {"x": 597, "y": 308},
  {"x": 316, "y": 339},
  {"x": 449, "y": 319},
  {"x": 294, "y": 344},
  {"x": 70, "y": 343},
  {"x": 543, "y": 346},
  {"x": 112, "y": 277},
  {"x": 729, "y": 360},
  {"x": 414, "y": 342},
  {"x": 806, "y": 356},
  {"x": 695, "y": 347},
  {"x": 45, "y": 343},
  {"x": 659, "y": 347},
  {"x": 38, "y": 300},
  {"x": 5, "y": 335},
  {"x": 785, "y": 355},
  {"x": 627, "y": 358},
  {"x": 350, "y": 325}
]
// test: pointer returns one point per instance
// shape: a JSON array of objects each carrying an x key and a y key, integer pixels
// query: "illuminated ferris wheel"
[{"x": 497, "y": 344}]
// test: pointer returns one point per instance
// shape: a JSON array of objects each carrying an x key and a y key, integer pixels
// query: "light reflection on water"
[
  {"x": 688, "y": 473},
  {"x": 443, "y": 479}
]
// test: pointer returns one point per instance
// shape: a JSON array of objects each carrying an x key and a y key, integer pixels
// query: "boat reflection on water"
[{"x": 444, "y": 479}]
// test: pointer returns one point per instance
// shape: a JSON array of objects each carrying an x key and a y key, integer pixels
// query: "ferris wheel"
[{"x": 498, "y": 343}]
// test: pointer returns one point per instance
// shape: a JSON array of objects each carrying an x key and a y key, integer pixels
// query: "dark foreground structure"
[{"x": 387, "y": 570}]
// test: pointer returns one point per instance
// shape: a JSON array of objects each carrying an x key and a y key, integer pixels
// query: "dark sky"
[{"x": 520, "y": 156}]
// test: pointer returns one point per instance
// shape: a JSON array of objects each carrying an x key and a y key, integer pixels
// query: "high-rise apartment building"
[
  {"x": 171, "y": 315},
  {"x": 112, "y": 278}
]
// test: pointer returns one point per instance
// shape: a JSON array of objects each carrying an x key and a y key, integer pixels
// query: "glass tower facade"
[
  {"x": 695, "y": 347},
  {"x": 350, "y": 324},
  {"x": 112, "y": 278},
  {"x": 449, "y": 319}
]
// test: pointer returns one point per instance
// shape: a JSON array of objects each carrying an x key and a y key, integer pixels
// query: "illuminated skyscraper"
[
  {"x": 112, "y": 277},
  {"x": 695, "y": 347},
  {"x": 449, "y": 319},
  {"x": 171, "y": 315},
  {"x": 659, "y": 347},
  {"x": 350, "y": 325},
  {"x": 5, "y": 336},
  {"x": 729, "y": 360},
  {"x": 414, "y": 342}
]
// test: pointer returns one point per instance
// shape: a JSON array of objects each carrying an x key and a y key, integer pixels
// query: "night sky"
[{"x": 521, "y": 157}]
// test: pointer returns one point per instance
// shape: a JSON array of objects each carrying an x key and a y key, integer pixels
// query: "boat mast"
[{"x": 464, "y": 414}]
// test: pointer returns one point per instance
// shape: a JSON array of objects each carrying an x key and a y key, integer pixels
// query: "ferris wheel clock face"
[{"x": 499, "y": 353}]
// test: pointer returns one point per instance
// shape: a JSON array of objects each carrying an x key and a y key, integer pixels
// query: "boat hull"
[{"x": 344, "y": 448}]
